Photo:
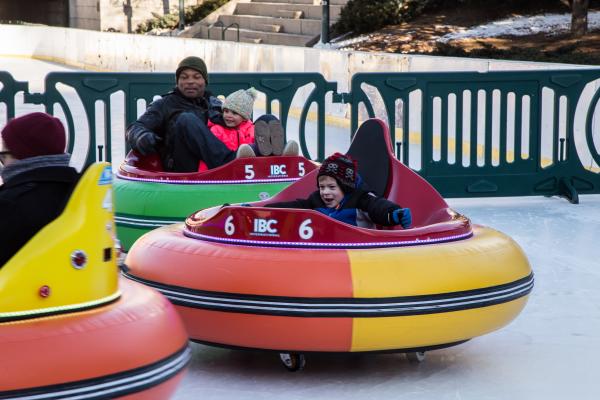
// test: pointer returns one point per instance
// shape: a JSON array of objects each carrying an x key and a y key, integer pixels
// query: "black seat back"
[{"x": 372, "y": 150}]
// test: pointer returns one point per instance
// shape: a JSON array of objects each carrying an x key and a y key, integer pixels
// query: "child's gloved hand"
[
  {"x": 215, "y": 109},
  {"x": 146, "y": 143},
  {"x": 402, "y": 216}
]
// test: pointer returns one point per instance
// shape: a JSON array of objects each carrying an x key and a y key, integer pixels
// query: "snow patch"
[
  {"x": 521, "y": 26},
  {"x": 516, "y": 26}
]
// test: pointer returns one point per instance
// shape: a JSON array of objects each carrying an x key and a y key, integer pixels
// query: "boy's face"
[
  {"x": 331, "y": 193},
  {"x": 191, "y": 83},
  {"x": 231, "y": 118}
]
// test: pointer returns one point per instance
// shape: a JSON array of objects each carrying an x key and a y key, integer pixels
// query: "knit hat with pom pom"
[{"x": 241, "y": 102}]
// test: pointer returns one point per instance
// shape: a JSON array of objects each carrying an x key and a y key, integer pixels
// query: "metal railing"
[
  {"x": 224, "y": 29},
  {"x": 216, "y": 24}
]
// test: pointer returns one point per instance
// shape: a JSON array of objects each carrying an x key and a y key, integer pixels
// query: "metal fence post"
[
  {"x": 325, "y": 22},
  {"x": 181, "y": 15}
]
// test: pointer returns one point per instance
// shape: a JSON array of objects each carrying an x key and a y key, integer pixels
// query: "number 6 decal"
[
  {"x": 305, "y": 231},
  {"x": 229, "y": 226}
]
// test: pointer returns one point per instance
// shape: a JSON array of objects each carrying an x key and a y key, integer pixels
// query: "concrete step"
[
  {"x": 215, "y": 31},
  {"x": 297, "y": 22},
  {"x": 275, "y": 28},
  {"x": 281, "y": 10},
  {"x": 296, "y": 2},
  {"x": 251, "y": 40},
  {"x": 290, "y": 14},
  {"x": 308, "y": 27},
  {"x": 261, "y": 37},
  {"x": 313, "y": 2}
]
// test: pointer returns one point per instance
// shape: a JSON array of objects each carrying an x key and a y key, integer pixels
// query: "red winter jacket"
[{"x": 231, "y": 137}]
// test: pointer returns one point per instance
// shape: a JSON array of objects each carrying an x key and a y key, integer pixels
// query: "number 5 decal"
[
  {"x": 229, "y": 226},
  {"x": 301, "y": 170},
  {"x": 305, "y": 231},
  {"x": 249, "y": 169}
]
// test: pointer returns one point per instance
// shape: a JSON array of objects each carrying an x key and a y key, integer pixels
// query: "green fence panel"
[
  {"x": 91, "y": 88},
  {"x": 9, "y": 88},
  {"x": 503, "y": 133},
  {"x": 506, "y": 133}
]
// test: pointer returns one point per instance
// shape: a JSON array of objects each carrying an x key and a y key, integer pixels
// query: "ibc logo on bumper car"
[
  {"x": 265, "y": 227},
  {"x": 278, "y": 170}
]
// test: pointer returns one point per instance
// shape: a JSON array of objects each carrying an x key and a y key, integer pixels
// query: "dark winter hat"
[
  {"x": 35, "y": 134},
  {"x": 342, "y": 168},
  {"x": 241, "y": 102},
  {"x": 195, "y": 63}
]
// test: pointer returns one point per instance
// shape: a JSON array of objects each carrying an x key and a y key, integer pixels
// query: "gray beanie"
[
  {"x": 241, "y": 102},
  {"x": 195, "y": 63}
]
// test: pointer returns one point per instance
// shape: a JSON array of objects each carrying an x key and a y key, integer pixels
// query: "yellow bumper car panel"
[{"x": 70, "y": 264}]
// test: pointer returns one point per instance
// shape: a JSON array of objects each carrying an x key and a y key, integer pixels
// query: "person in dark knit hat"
[
  {"x": 175, "y": 126},
  {"x": 195, "y": 63},
  {"x": 37, "y": 179},
  {"x": 340, "y": 196}
]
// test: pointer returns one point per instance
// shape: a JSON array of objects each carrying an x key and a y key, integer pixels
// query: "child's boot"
[
  {"x": 291, "y": 148},
  {"x": 262, "y": 137},
  {"x": 245, "y": 151},
  {"x": 277, "y": 136}
]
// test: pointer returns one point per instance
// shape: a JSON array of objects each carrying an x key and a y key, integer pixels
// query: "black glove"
[
  {"x": 146, "y": 143},
  {"x": 215, "y": 110},
  {"x": 215, "y": 103}
]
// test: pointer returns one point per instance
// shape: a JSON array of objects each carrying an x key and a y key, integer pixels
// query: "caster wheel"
[
  {"x": 416, "y": 357},
  {"x": 293, "y": 362}
]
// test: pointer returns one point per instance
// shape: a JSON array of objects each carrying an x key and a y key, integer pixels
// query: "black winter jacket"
[
  {"x": 161, "y": 115},
  {"x": 378, "y": 209},
  {"x": 29, "y": 201}
]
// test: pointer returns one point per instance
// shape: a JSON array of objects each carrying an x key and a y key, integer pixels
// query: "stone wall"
[
  {"x": 126, "y": 15},
  {"x": 47, "y": 12},
  {"x": 84, "y": 14}
]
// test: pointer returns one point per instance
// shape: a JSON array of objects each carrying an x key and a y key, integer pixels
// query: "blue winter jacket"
[{"x": 351, "y": 209}]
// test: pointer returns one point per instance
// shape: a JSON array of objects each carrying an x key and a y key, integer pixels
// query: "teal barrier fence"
[
  {"x": 9, "y": 88},
  {"x": 469, "y": 134},
  {"x": 491, "y": 134},
  {"x": 92, "y": 88}
]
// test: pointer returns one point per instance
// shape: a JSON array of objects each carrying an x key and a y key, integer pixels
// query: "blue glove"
[
  {"x": 146, "y": 143},
  {"x": 403, "y": 217}
]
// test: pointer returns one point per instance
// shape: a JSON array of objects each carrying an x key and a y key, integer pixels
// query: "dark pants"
[{"x": 193, "y": 142}]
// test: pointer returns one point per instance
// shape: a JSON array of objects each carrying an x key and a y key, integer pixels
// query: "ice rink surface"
[{"x": 549, "y": 352}]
